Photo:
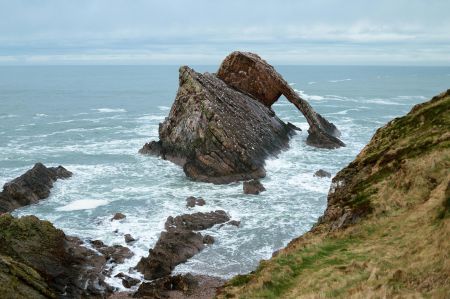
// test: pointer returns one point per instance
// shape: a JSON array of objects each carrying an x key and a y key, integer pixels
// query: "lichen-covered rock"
[
  {"x": 217, "y": 133},
  {"x": 252, "y": 75},
  {"x": 67, "y": 268},
  {"x": 32, "y": 186}
]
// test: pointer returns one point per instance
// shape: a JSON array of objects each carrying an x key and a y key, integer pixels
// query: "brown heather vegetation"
[{"x": 386, "y": 230}]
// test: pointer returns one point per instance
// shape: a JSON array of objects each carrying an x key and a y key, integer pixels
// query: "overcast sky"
[{"x": 383, "y": 32}]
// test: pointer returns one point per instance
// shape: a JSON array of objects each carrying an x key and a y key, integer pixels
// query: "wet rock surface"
[
  {"x": 127, "y": 281},
  {"x": 55, "y": 265},
  {"x": 253, "y": 187},
  {"x": 179, "y": 243},
  {"x": 192, "y": 201},
  {"x": 116, "y": 253},
  {"x": 129, "y": 239},
  {"x": 32, "y": 186},
  {"x": 322, "y": 174},
  {"x": 118, "y": 216},
  {"x": 196, "y": 221}
]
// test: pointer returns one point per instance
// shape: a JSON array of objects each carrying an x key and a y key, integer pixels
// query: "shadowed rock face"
[
  {"x": 252, "y": 75},
  {"x": 217, "y": 133},
  {"x": 32, "y": 186}
]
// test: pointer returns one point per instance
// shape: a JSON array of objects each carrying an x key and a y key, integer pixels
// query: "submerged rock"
[
  {"x": 253, "y": 187},
  {"x": 32, "y": 186},
  {"x": 127, "y": 281},
  {"x": 49, "y": 262},
  {"x": 322, "y": 174},
  {"x": 129, "y": 239}
]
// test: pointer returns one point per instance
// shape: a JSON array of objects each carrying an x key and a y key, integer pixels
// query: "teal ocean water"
[{"x": 94, "y": 119}]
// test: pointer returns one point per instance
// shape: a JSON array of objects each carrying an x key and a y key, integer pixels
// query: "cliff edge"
[{"x": 386, "y": 229}]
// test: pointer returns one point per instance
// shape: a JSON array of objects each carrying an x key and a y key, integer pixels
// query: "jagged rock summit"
[{"x": 221, "y": 128}]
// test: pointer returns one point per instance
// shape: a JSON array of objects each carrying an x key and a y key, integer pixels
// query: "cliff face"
[{"x": 386, "y": 229}]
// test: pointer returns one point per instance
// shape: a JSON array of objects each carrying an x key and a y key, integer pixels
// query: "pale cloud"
[{"x": 203, "y": 31}]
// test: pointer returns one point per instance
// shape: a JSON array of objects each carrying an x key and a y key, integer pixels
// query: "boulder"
[
  {"x": 32, "y": 186},
  {"x": 116, "y": 253},
  {"x": 252, "y": 75},
  {"x": 127, "y": 281},
  {"x": 322, "y": 174},
  {"x": 53, "y": 262},
  {"x": 129, "y": 239},
  {"x": 253, "y": 187},
  {"x": 217, "y": 133},
  {"x": 192, "y": 201},
  {"x": 118, "y": 216}
]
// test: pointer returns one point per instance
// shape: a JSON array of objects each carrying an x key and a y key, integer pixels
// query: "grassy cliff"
[{"x": 386, "y": 229}]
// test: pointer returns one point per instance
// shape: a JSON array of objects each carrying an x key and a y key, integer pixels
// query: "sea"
[{"x": 94, "y": 119}]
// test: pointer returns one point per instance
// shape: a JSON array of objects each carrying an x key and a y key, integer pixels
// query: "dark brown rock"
[
  {"x": 253, "y": 187},
  {"x": 197, "y": 221},
  {"x": 234, "y": 223},
  {"x": 129, "y": 238},
  {"x": 127, "y": 281},
  {"x": 322, "y": 174},
  {"x": 161, "y": 287},
  {"x": 217, "y": 133},
  {"x": 208, "y": 240},
  {"x": 252, "y": 75},
  {"x": 32, "y": 186},
  {"x": 173, "y": 247},
  {"x": 115, "y": 253},
  {"x": 179, "y": 242},
  {"x": 192, "y": 201},
  {"x": 118, "y": 216}
]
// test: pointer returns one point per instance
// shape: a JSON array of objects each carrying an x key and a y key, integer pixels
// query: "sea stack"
[{"x": 221, "y": 127}]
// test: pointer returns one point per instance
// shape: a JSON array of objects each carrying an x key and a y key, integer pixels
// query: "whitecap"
[
  {"x": 8, "y": 116},
  {"x": 311, "y": 83},
  {"x": 83, "y": 204},
  {"x": 109, "y": 110},
  {"x": 383, "y": 102},
  {"x": 340, "y": 80},
  {"x": 163, "y": 108},
  {"x": 309, "y": 97},
  {"x": 40, "y": 115}
]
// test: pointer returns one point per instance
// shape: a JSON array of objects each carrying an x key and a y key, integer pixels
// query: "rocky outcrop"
[
  {"x": 253, "y": 187},
  {"x": 32, "y": 186},
  {"x": 217, "y": 133},
  {"x": 179, "y": 243},
  {"x": 252, "y": 75},
  {"x": 47, "y": 262}
]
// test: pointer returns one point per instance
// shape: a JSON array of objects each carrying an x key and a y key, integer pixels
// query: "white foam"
[
  {"x": 8, "y": 116},
  {"x": 163, "y": 108},
  {"x": 383, "y": 102},
  {"x": 38, "y": 115},
  {"x": 309, "y": 97},
  {"x": 311, "y": 83},
  {"x": 109, "y": 110},
  {"x": 340, "y": 80},
  {"x": 83, "y": 204}
]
